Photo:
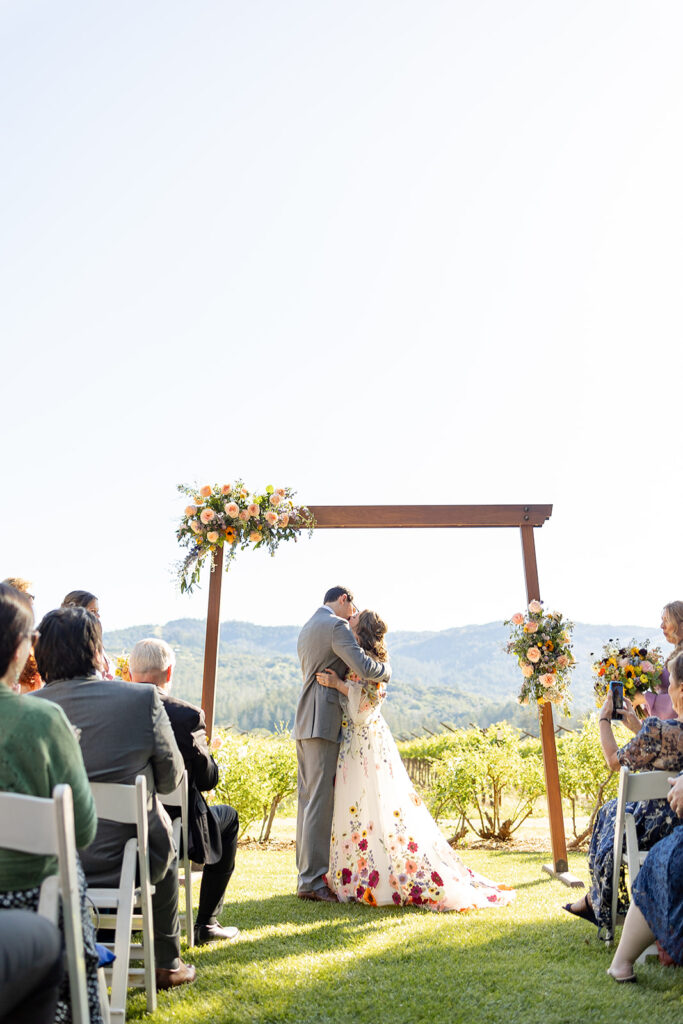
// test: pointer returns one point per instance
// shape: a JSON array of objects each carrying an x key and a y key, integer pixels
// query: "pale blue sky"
[{"x": 382, "y": 252}]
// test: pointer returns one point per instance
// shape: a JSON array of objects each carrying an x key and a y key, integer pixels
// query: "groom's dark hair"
[{"x": 334, "y": 593}]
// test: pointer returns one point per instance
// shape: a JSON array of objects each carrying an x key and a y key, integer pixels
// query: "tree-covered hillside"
[{"x": 459, "y": 676}]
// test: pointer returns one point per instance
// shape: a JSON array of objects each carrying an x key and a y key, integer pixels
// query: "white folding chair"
[
  {"x": 116, "y": 906},
  {"x": 45, "y": 826},
  {"x": 633, "y": 786},
  {"x": 179, "y": 798}
]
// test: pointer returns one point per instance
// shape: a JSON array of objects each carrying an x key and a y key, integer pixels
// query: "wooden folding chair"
[
  {"x": 179, "y": 798},
  {"x": 117, "y": 906},
  {"x": 45, "y": 827},
  {"x": 633, "y": 786}
]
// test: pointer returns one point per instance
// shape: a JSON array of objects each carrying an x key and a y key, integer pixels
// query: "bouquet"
[
  {"x": 638, "y": 667},
  {"x": 541, "y": 642},
  {"x": 122, "y": 671},
  {"x": 229, "y": 516}
]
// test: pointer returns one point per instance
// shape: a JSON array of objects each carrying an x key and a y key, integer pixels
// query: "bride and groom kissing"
[{"x": 363, "y": 832}]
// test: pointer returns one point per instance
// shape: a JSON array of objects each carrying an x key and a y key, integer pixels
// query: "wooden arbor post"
[{"x": 364, "y": 517}]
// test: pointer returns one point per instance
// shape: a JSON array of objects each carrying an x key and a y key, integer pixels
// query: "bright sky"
[{"x": 383, "y": 251}]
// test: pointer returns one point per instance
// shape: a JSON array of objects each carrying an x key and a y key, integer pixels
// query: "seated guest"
[
  {"x": 659, "y": 704},
  {"x": 124, "y": 731},
  {"x": 657, "y": 908},
  {"x": 30, "y": 677},
  {"x": 212, "y": 830},
  {"x": 31, "y": 968},
  {"x": 84, "y": 599},
  {"x": 38, "y": 751},
  {"x": 658, "y": 746}
]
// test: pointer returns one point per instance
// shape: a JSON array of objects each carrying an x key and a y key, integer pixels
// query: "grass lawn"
[{"x": 306, "y": 962}]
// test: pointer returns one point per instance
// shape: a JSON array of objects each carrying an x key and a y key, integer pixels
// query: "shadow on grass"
[{"x": 307, "y": 963}]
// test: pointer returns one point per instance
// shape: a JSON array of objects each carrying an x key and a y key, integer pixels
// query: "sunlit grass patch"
[{"x": 299, "y": 962}]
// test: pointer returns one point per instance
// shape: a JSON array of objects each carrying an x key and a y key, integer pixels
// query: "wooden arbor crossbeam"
[
  {"x": 363, "y": 517},
  {"x": 429, "y": 517}
]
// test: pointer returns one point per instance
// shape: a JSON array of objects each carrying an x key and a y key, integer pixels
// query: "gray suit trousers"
[{"x": 317, "y": 761}]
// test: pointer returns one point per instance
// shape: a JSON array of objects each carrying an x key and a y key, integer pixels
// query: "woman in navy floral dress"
[{"x": 658, "y": 746}]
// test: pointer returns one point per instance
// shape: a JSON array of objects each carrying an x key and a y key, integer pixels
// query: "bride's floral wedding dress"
[{"x": 385, "y": 846}]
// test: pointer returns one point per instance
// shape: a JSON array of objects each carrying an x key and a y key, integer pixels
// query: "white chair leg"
[
  {"x": 104, "y": 995},
  {"x": 189, "y": 924}
]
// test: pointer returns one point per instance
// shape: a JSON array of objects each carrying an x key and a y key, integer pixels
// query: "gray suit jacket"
[
  {"x": 124, "y": 732},
  {"x": 326, "y": 641}
]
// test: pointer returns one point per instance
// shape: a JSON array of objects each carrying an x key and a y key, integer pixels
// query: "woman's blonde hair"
[
  {"x": 674, "y": 612},
  {"x": 370, "y": 632}
]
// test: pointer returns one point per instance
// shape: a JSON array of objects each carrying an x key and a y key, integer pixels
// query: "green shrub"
[
  {"x": 585, "y": 780},
  {"x": 257, "y": 773},
  {"x": 486, "y": 766}
]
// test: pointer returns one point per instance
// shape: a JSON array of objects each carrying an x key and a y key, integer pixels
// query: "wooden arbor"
[{"x": 350, "y": 517}]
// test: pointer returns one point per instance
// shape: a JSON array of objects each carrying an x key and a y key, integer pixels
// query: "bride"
[{"x": 385, "y": 847}]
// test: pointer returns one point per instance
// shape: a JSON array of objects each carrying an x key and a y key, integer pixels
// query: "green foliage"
[
  {"x": 430, "y": 747},
  {"x": 585, "y": 780},
  {"x": 257, "y": 773},
  {"x": 489, "y": 780}
]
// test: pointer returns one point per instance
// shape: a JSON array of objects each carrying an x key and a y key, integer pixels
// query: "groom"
[{"x": 326, "y": 641}]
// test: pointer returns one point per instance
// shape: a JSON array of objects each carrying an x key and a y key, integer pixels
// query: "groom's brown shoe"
[{"x": 323, "y": 895}]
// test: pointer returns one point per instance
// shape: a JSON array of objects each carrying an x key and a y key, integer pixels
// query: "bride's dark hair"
[{"x": 370, "y": 632}]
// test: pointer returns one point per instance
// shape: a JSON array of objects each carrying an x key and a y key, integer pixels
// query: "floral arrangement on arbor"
[
  {"x": 231, "y": 517},
  {"x": 541, "y": 642},
  {"x": 638, "y": 667}
]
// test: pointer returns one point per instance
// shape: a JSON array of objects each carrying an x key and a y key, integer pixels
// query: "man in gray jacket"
[
  {"x": 123, "y": 731},
  {"x": 326, "y": 641}
]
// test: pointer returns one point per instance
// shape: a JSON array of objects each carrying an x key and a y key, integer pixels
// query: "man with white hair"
[{"x": 212, "y": 838}]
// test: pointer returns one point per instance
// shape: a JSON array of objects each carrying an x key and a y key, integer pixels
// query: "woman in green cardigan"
[{"x": 38, "y": 750}]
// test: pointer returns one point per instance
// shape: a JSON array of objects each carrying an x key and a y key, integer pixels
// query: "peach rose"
[
  {"x": 527, "y": 669},
  {"x": 530, "y": 627},
  {"x": 517, "y": 619},
  {"x": 254, "y": 536},
  {"x": 275, "y": 500},
  {"x": 232, "y": 509},
  {"x": 535, "y": 607},
  {"x": 646, "y": 666},
  {"x": 271, "y": 518},
  {"x": 244, "y": 515},
  {"x": 284, "y": 519},
  {"x": 207, "y": 515},
  {"x": 212, "y": 536},
  {"x": 281, "y": 491},
  {"x": 226, "y": 488},
  {"x": 191, "y": 510},
  {"x": 524, "y": 701},
  {"x": 195, "y": 527},
  {"x": 205, "y": 491},
  {"x": 253, "y": 510},
  {"x": 563, "y": 661},
  {"x": 534, "y": 655},
  {"x": 547, "y": 680}
]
